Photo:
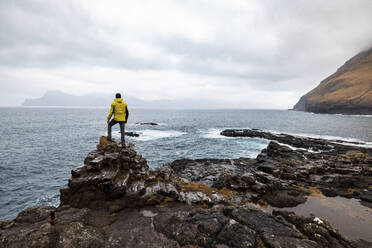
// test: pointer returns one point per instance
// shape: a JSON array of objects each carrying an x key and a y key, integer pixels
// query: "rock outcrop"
[
  {"x": 115, "y": 200},
  {"x": 347, "y": 91},
  {"x": 147, "y": 123},
  {"x": 332, "y": 147},
  {"x": 132, "y": 134},
  {"x": 334, "y": 168}
]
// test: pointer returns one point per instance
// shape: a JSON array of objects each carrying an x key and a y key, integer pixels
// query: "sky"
[{"x": 244, "y": 54}]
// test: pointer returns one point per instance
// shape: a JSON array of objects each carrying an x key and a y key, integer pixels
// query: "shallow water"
[
  {"x": 347, "y": 215},
  {"x": 40, "y": 146}
]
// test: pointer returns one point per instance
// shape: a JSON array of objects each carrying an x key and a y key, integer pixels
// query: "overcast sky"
[{"x": 249, "y": 54}]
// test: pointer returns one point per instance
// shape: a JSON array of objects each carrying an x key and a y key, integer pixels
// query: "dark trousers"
[{"x": 122, "y": 129}]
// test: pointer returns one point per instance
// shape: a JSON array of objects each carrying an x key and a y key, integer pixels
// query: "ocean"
[{"x": 40, "y": 146}]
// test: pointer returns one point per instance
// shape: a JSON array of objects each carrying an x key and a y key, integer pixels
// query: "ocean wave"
[
  {"x": 213, "y": 133},
  {"x": 367, "y": 116},
  {"x": 298, "y": 148},
  {"x": 328, "y": 114},
  {"x": 149, "y": 134},
  {"x": 48, "y": 199}
]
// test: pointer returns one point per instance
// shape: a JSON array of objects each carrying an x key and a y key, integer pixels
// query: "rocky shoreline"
[
  {"x": 334, "y": 168},
  {"x": 115, "y": 200}
]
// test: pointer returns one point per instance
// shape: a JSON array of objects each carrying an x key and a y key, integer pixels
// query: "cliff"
[
  {"x": 347, "y": 91},
  {"x": 115, "y": 200}
]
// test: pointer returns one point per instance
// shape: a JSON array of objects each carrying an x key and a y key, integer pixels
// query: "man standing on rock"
[{"x": 121, "y": 114}]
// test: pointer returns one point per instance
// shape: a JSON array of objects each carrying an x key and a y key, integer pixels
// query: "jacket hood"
[{"x": 119, "y": 100}]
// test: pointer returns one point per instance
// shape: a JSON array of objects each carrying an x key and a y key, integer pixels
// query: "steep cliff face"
[{"x": 347, "y": 91}]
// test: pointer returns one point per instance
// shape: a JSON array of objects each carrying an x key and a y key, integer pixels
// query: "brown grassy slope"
[{"x": 350, "y": 86}]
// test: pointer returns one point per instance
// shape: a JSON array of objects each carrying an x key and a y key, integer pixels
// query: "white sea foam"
[
  {"x": 130, "y": 124},
  {"x": 298, "y": 148},
  {"x": 261, "y": 145},
  {"x": 367, "y": 116},
  {"x": 149, "y": 134},
  {"x": 365, "y": 144},
  {"x": 213, "y": 133},
  {"x": 253, "y": 143}
]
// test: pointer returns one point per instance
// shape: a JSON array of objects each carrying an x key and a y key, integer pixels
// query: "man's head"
[{"x": 118, "y": 95}]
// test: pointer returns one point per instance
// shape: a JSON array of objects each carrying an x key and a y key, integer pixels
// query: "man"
[{"x": 121, "y": 114}]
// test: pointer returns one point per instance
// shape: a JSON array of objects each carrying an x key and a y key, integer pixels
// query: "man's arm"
[
  {"x": 110, "y": 114},
  {"x": 126, "y": 113}
]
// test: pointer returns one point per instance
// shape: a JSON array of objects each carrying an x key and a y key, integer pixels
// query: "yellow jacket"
[{"x": 120, "y": 110}]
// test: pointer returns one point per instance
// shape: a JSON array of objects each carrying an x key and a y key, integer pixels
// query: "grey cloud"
[{"x": 310, "y": 39}]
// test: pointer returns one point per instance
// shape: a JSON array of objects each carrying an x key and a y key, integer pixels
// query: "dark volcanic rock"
[
  {"x": 115, "y": 200},
  {"x": 336, "y": 169},
  {"x": 132, "y": 134},
  {"x": 205, "y": 228},
  {"x": 114, "y": 178},
  {"x": 316, "y": 229},
  {"x": 280, "y": 176},
  {"x": 229, "y": 227},
  {"x": 286, "y": 198},
  {"x": 147, "y": 123},
  {"x": 32, "y": 215},
  {"x": 168, "y": 226},
  {"x": 302, "y": 144}
]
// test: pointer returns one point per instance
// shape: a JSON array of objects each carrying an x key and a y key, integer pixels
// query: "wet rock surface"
[
  {"x": 132, "y": 134},
  {"x": 334, "y": 169},
  {"x": 115, "y": 200},
  {"x": 147, "y": 123},
  {"x": 332, "y": 147}
]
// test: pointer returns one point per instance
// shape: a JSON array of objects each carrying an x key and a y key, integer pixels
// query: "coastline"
[{"x": 114, "y": 183}]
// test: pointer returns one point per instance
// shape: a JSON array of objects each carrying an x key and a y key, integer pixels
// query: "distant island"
[
  {"x": 58, "y": 98},
  {"x": 347, "y": 91}
]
